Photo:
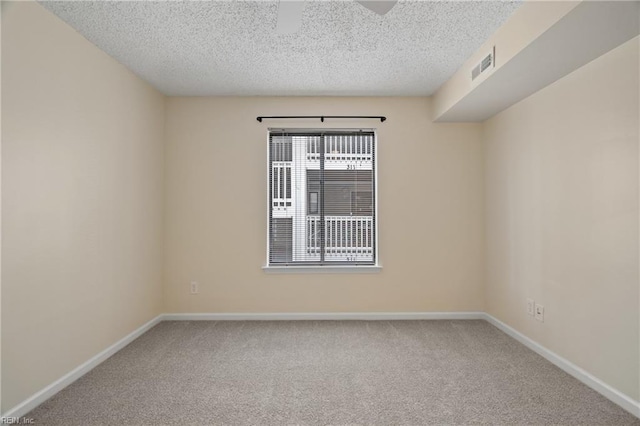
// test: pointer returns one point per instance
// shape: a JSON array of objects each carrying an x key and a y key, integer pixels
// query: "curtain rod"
[{"x": 322, "y": 117}]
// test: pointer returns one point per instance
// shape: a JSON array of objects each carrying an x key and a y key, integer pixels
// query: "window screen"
[{"x": 322, "y": 198}]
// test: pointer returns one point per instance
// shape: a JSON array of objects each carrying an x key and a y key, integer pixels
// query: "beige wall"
[
  {"x": 562, "y": 216},
  {"x": 82, "y": 190},
  {"x": 216, "y": 206}
]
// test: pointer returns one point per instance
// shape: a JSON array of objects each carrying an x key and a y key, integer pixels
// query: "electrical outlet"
[
  {"x": 540, "y": 313},
  {"x": 195, "y": 287},
  {"x": 531, "y": 307}
]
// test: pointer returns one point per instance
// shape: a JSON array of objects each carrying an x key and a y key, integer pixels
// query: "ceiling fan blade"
[
  {"x": 381, "y": 7},
  {"x": 289, "y": 16}
]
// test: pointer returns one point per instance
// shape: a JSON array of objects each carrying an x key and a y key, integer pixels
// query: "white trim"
[
  {"x": 376, "y": 217},
  {"x": 585, "y": 377},
  {"x": 350, "y": 269},
  {"x": 41, "y": 396},
  {"x": 307, "y": 129},
  {"x": 268, "y": 193},
  {"x": 290, "y": 316}
]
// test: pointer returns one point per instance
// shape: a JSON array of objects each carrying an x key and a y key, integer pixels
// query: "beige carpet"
[{"x": 327, "y": 373}]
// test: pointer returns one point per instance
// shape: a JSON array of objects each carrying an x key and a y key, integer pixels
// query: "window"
[{"x": 322, "y": 195}]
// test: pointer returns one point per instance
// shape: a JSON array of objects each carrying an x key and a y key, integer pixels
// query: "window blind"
[{"x": 322, "y": 198}]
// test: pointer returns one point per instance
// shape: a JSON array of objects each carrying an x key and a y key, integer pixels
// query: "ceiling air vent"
[{"x": 484, "y": 66}]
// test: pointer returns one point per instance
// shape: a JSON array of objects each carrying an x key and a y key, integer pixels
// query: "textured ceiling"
[{"x": 232, "y": 48}]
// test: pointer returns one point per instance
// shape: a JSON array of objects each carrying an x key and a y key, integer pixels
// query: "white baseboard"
[
  {"x": 38, "y": 398},
  {"x": 362, "y": 316},
  {"x": 593, "y": 382}
]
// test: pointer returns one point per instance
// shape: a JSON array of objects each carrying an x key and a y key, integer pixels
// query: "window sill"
[{"x": 364, "y": 269}]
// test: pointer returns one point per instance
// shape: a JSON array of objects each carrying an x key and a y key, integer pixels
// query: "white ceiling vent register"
[{"x": 485, "y": 66}]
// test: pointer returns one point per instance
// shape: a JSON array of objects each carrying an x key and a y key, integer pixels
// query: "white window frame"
[{"x": 331, "y": 269}]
